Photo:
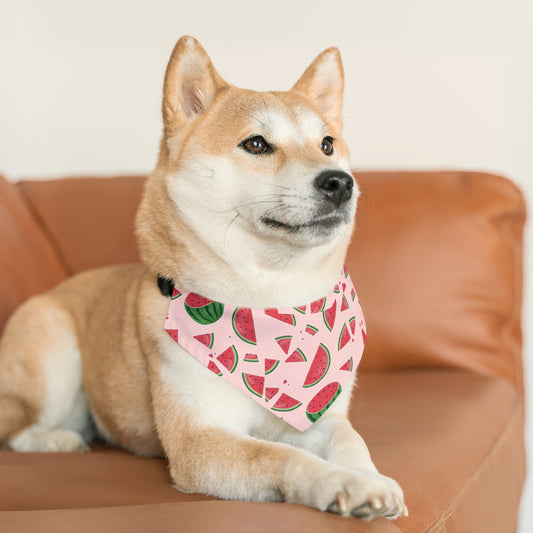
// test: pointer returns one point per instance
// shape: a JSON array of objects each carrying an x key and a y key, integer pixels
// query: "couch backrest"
[
  {"x": 29, "y": 263},
  {"x": 89, "y": 220},
  {"x": 436, "y": 259}
]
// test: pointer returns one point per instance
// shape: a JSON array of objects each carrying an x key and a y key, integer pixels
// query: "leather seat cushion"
[{"x": 451, "y": 439}]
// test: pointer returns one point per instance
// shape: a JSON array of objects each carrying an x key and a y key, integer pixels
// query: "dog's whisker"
[
  {"x": 269, "y": 212},
  {"x": 273, "y": 185},
  {"x": 211, "y": 170},
  {"x": 262, "y": 199},
  {"x": 296, "y": 196},
  {"x": 227, "y": 228},
  {"x": 230, "y": 209},
  {"x": 285, "y": 265},
  {"x": 257, "y": 202},
  {"x": 268, "y": 215}
]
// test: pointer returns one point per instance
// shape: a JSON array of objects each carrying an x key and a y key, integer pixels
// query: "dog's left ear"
[{"x": 323, "y": 84}]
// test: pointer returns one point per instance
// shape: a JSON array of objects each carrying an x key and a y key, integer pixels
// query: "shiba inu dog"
[{"x": 252, "y": 204}]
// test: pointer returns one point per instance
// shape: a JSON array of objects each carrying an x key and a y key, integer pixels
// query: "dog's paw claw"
[
  {"x": 365, "y": 511},
  {"x": 360, "y": 493},
  {"x": 341, "y": 500},
  {"x": 375, "y": 503},
  {"x": 333, "y": 507},
  {"x": 339, "y": 505}
]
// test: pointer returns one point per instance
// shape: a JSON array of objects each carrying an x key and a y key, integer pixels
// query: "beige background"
[{"x": 430, "y": 84}]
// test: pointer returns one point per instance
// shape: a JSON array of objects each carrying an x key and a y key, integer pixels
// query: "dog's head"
[{"x": 261, "y": 168}]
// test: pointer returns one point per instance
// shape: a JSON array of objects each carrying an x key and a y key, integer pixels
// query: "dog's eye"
[
  {"x": 327, "y": 145},
  {"x": 256, "y": 145}
]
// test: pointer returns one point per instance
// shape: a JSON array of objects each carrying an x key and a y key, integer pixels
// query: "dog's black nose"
[{"x": 336, "y": 185}]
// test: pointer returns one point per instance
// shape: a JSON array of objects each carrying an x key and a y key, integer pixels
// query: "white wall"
[{"x": 430, "y": 84}]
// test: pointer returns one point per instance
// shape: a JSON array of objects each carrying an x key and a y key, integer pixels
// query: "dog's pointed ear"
[
  {"x": 323, "y": 84},
  {"x": 191, "y": 84}
]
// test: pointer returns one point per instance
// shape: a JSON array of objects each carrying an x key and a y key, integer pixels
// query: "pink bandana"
[{"x": 293, "y": 361}]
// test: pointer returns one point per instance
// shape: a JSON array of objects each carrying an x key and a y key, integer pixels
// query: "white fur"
[
  {"x": 65, "y": 414},
  {"x": 310, "y": 125},
  {"x": 277, "y": 127},
  {"x": 281, "y": 127}
]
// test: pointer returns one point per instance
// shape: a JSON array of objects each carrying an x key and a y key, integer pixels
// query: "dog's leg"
[
  {"x": 42, "y": 404},
  {"x": 220, "y": 462},
  {"x": 334, "y": 439}
]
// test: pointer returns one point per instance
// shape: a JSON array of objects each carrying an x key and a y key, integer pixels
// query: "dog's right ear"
[{"x": 191, "y": 84}]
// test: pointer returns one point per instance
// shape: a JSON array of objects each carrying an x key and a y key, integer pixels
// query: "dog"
[{"x": 251, "y": 204}]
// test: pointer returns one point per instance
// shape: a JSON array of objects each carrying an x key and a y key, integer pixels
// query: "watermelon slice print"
[
  {"x": 214, "y": 368},
  {"x": 319, "y": 366},
  {"x": 322, "y": 401},
  {"x": 345, "y": 271},
  {"x": 296, "y": 357},
  {"x": 311, "y": 329},
  {"x": 329, "y": 315},
  {"x": 175, "y": 294},
  {"x": 251, "y": 358},
  {"x": 254, "y": 384},
  {"x": 228, "y": 358},
  {"x": 286, "y": 403},
  {"x": 348, "y": 365},
  {"x": 270, "y": 365},
  {"x": 270, "y": 392},
  {"x": 284, "y": 343},
  {"x": 301, "y": 309},
  {"x": 344, "y": 305},
  {"x": 203, "y": 310},
  {"x": 352, "y": 325},
  {"x": 318, "y": 305},
  {"x": 344, "y": 337},
  {"x": 336, "y": 289},
  {"x": 243, "y": 324},
  {"x": 283, "y": 317},
  {"x": 173, "y": 333},
  {"x": 206, "y": 339},
  {"x": 353, "y": 294},
  {"x": 363, "y": 332}
]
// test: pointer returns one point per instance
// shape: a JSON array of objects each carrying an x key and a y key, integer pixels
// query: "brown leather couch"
[{"x": 437, "y": 261}]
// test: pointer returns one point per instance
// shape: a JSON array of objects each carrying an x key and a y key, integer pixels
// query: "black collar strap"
[{"x": 166, "y": 286}]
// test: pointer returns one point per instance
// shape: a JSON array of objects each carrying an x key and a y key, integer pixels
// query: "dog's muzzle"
[{"x": 335, "y": 185}]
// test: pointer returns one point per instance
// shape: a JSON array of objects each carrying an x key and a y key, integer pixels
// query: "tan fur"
[
  {"x": 21, "y": 379},
  {"x": 95, "y": 348}
]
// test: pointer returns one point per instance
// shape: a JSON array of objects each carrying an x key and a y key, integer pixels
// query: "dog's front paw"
[{"x": 359, "y": 493}]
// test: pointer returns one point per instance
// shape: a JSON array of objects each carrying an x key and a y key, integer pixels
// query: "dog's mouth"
[{"x": 321, "y": 223}]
